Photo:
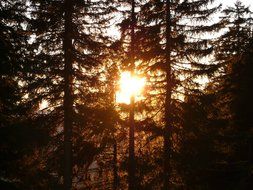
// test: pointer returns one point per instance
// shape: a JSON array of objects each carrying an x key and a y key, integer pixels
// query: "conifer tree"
[
  {"x": 20, "y": 138},
  {"x": 236, "y": 35},
  {"x": 171, "y": 40},
  {"x": 229, "y": 85},
  {"x": 66, "y": 58}
]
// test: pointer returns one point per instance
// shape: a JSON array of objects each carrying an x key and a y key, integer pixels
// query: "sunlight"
[
  {"x": 43, "y": 105},
  {"x": 129, "y": 86}
]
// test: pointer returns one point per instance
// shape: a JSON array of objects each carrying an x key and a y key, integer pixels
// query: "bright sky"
[
  {"x": 231, "y": 2},
  {"x": 129, "y": 86},
  {"x": 113, "y": 32}
]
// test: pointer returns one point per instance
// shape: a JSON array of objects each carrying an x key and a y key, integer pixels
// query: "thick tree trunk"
[
  {"x": 68, "y": 98},
  {"x": 131, "y": 169},
  {"x": 115, "y": 167},
  {"x": 167, "y": 130}
]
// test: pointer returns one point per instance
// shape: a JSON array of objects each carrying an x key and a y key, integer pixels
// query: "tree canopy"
[{"x": 135, "y": 94}]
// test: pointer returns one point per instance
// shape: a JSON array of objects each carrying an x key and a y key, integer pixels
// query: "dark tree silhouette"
[{"x": 61, "y": 126}]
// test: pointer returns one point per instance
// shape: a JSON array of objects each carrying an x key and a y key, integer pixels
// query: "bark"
[
  {"x": 131, "y": 169},
  {"x": 68, "y": 91},
  {"x": 115, "y": 167},
  {"x": 167, "y": 130}
]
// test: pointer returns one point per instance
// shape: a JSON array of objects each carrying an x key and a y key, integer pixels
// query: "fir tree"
[
  {"x": 230, "y": 86},
  {"x": 172, "y": 45},
  {"x": 66, "y": 57},
  {"x": 20, "y": 138}
]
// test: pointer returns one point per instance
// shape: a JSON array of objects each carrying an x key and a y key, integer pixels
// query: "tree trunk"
[
  {"x": 115, "y": 167},
  {"x": 131, "y": 169},
  {"x": 167, "y": 130},
  {"x": 68, "y": 98}
]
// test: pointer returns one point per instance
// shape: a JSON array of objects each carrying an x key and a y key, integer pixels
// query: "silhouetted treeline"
[{"x": 61, "y": 126}]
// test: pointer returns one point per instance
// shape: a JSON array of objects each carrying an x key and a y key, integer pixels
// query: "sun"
[
  {"x": 43, "y": 105},
  {"x": 129, "y": 86}
]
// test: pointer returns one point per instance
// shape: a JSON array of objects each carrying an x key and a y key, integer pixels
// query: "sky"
[
  {"x": 113, "y": 32},
  {"x": 231, "y": 2}
]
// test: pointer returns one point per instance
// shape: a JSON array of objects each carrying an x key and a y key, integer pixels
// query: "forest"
[{"x": 134, "y": 94}]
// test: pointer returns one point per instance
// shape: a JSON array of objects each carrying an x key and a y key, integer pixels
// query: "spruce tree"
[
  {"x": 230, "y": 86},
  {"x": 171, "y": 43},
  {"x": 66, "y": 58},
  {"x": 236, "y": 22},
  {"x": 20, "y": 138}
]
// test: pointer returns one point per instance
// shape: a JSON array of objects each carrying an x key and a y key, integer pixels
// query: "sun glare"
[
  {"x": 129, "y": 86},
  {"x": 43, "y": 105}
]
